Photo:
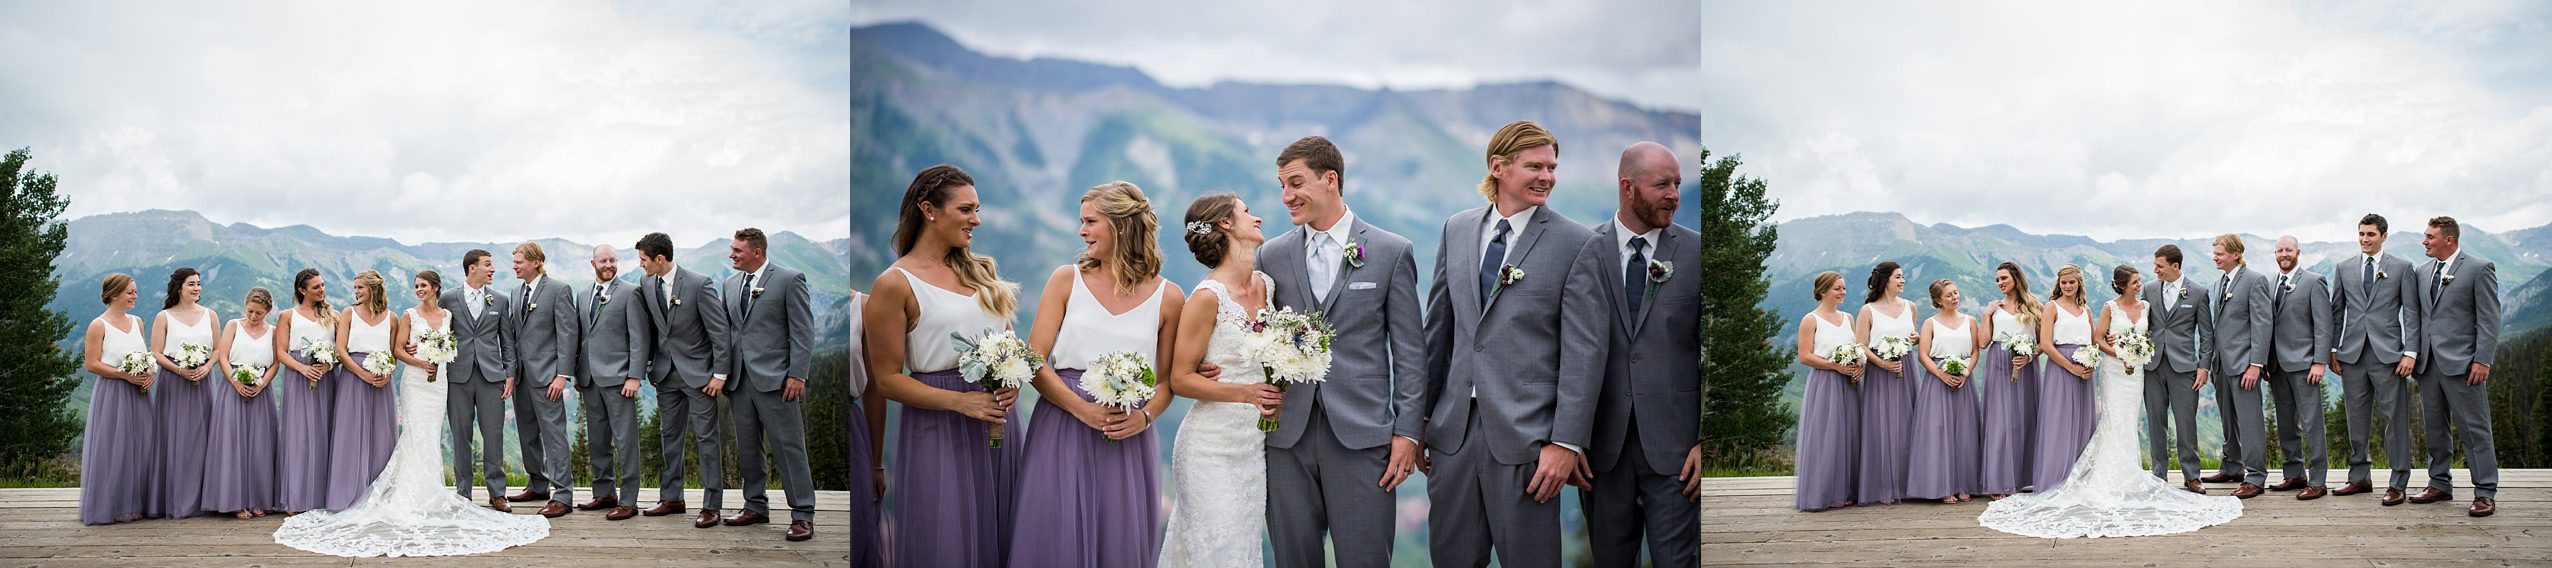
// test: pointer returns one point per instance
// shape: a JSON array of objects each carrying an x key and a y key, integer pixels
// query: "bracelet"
[{"x": 1147, "y": 415}]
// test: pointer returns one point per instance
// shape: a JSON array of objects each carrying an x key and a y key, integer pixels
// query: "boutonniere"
[
  {"x": 2289, "y": 287},
  {"x": 532, "y": 307},
  {"x": 677, "y": 301},
  {"x": 757, "y": 292},
  {"x": 1508, "y": 275},
  {"x": 2184, "y": 292},
  {"x": 1355, "y": 253},
  {"x": 487, "y": 300},
  {"x": 2380, "y": 274},
  {"x": 1659, "y": 271},
  {"x": 2450, "y": 280}
]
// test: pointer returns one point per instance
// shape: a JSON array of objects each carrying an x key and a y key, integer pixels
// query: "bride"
[
  {"x": 407, "y": 511},
  {"x": 1218, "y": 468},
  {"x": 2109, "y": 493}
]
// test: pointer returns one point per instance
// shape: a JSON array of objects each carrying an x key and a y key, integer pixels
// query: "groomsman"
[
  {"x": 687, "y": 328},
  {"x": 1646, "y": 450},
  {"x": 1342, "y": 447},
  {"x": 480, "y": 377},
  {"x": 773, "y": 343},
  {"x": 1509, "y": 406},
  {"x": 2178, "y": 312},
  {"x": 545, "y": 347},
  {"x": 611, "y": 316},
  {"x": 2239, "y": 353},
  {"x": 2459, "y": 333},
  {"x": 2378, "y": 325},
  {"x": 2299, "y": 341}
]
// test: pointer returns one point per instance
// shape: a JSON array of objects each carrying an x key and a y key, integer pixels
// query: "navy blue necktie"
[
  {"x": 1490, "y": 262},
  {"x": 1635, "y": 275}
]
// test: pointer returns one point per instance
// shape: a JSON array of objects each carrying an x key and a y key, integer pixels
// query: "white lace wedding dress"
[
  {"x": 408, "y": 511},
  {"x": 1219, "y": 467},
  {"x": 2109, "y": 493}
]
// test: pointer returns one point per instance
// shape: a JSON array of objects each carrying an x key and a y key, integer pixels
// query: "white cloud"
[
  {"x": 440, "y": 121},
  {"x": 1642, "y": 50},
  {"x": 2140, "y": 119}
]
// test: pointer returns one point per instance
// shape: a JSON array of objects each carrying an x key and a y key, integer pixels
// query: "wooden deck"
[
  {"x": 1750, "y": 521},
  {"x": 41, "y": 527}
]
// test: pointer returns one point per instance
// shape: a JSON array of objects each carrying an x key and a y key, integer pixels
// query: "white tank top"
[
  {"x": 306, "y": 329},
  {"x": 1830, "y": 336},
  {"x": 367, "y": 338},
  {"x": 1885, "y": 326},
  {"x": 179, "y": 334},
  {"x": 1090, "y": 332},
  {"x": 248, "y": 351},
  {"x": 2007, "y": 324},
  {"x": 928, "y": 347},
  {"x": 1950, "y": 341},
  {"x": 119, "y": 343},
  {"x": 2072, "y": 329}
]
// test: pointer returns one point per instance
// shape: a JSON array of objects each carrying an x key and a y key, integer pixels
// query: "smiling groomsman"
[
  {"x": 1646, "y": 450},
  {"x": 773, "y": 341},
  {"x": 2299, "y": 341},
  {"x": 545, "y": 348},
  {"x": 2374, "y": 354},
  {"x": 2459, "y": 334},
  {"x": 611, "y": 314},
  {"x": 2239, "y": 356},
  {"x": 687, "y": 352}
]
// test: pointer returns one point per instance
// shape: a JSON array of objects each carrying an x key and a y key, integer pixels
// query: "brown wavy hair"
[
  {"x": 974, "y": 271},
  {"x": 1135, "y": 227}
]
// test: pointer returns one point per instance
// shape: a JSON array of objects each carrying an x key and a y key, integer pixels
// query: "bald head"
[
  {"x": 2289, "y": 252},
  {"x": 606, "y": 264},
  {"x": 1652, "y": 186}
]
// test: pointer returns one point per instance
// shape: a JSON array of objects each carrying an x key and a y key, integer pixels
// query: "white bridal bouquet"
[
  {"x": 1292, "y": 347},
  {"x": 439, "y": 347},
  {"x": 192, "y": 355},
  {"x": 139, "y": 363},
  {"x": 1847, "y": 354},
  {"x": 2134, "y": 349},
  {"x": 318, "y": 352},
  {"x": 1893, "y": 348},
  {"x": 997, "y": 359},
  {"x": 380, "y": 364},
  {"x": 247, "y": 375},
  {"x": 1122, "y": 380},
  {"x": 2020, "y": 345},
  {"x": 2088, "y": 357}
]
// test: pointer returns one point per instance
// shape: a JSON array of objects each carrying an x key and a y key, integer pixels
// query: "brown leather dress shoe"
[
  {"x": 2353, "y": 488},
  {"x": 2221, "y": 477},
  {"x": 2431, "y": 495},
  {"x": 799, "y": 531},
  {"x": 2247, "y": 491},
  {"x": 621, "y": 513},
  {"x": 2194, "y": 487},
  {"x": 555, "y": 509},
  {"x": 2291, "y": 484},
  {"x": 498, "y": 503},
  {"x": 2392, "y": 497},
  {"x": 708, "y": 518},
  {"x": 599, "y": 503},
  {"x": 663, "y": 508},
  {"x": 2484, "y": 506},
  {"x": 747, "y": 518},
  {"x": 526, "y": 496},
  {"x": 2311, "y": 493}
]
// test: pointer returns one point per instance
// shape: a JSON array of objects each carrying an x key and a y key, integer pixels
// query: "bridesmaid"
[
  {"x": 2009, "y": 398},
  {"x": 116, "y": 454},
  {"x": 363, "y": 426},
  {"x": 1829, "y": 406},
  {"x": 954, "y": 494},
  {"x": 2065, "y": 413},
  {"x": 1944, "y": 461},
  {"x": 183, "y": 401},
  {"x": 308, "y": 397},
  {"x": 1089, "y": 489},
  {"x": 1887, "y": 398},
  {"x": 239, "y": 467}
]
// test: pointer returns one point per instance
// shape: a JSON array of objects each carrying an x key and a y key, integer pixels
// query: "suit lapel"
[
  {"x": 1667, "y": 247},
  {"x": 1338, "y": 285},
  {"x": 1466, "y": 254},
  {"x": 1522, "y": 248},
  {"x": 1612, "y": 280},
  {"x": 1284, "y": 265}
]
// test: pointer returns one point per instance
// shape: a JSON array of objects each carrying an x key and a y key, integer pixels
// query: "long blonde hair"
[
  {"x": 974, "y": 271},
  {"x": 1130, "y": 220},
  {"x": 373, "y": 302},
  {"x": 2081, "y": 287},
  {"x": 2024, "y": 302},
  {"x": 327, "y": 315},
  {"x": 1511, "y": 141}
]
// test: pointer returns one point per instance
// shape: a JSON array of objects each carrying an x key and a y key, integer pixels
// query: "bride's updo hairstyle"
[
  {"x": 2118, "y": 278},
  {"x": 1208, "y": 213}
]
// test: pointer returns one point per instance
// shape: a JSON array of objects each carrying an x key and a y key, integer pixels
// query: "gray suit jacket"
[
  {"x": 2459, "y": 320},
  {"x": 2179, "y": 332},
  {"x": 545, "y": 334},
  {"x": 2241, "y": 324},
  {"x": 486, "y": 351},
  {"x": 777, "y": 340},
  {"x": 1649, "y": 356},
  {"x": 2301, "y": 334},
  {"x": 611, "y": 329},
  {"x": 2375, "y": 321},
  {"x": 1376, "y": 385},
  {"x": 688, "y": 332},
  {"x": 1509, "y": 346}
]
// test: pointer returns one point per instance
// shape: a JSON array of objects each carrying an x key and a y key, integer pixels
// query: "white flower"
[
  {"x": 138, "y": 363},
  {"x": 1121, "y": 380},
  {"x": 1847, "y": 354},
  {"x": 191, "y": 355},
  {"x": 247, "y": 375},
  {"x": 380, "y": 364},
  {"x": 2020, "y": 345},
  {"x": 1893, "y": 348},
  {"x": 1659, "y": 271},
  {"x": 2087, "y": 357}
]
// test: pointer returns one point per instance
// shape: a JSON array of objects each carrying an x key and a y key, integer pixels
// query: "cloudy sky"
[
  {"x": 2138, "y": 119},
  {"x": 437, "y": 121},
  {"x": 1642, "y": 50}
]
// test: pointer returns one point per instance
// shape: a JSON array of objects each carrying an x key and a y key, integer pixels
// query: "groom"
[
  {"x": 478, "y": 376},
  {"x": 1342, "y": 447},
  {"x": 545, "y": 353},
  {"x": 2177, "y": 312},
  {"x": 2239, "y": 353}
]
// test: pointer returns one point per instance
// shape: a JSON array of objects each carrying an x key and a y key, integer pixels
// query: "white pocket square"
[{"x": 1360, "y": 285}]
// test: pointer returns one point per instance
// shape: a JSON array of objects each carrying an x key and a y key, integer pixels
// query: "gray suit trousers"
[
  {"x": 761, "y": 415},
  {"x": 2366, "y": 389},
  {"x": 611, "y": 441},
  {"x": 1328, "y": 490},
  {"x": 475, "y": 403},
  {"x": 1477, "y": 500}
]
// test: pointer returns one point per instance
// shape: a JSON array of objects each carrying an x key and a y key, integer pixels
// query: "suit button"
[
  {"x": 1634, "y": 357},
  {"x": 1477, "y": 348}
]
